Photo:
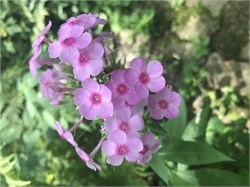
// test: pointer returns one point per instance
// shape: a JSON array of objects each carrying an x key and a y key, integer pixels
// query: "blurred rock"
[
  {"x": 232, "y": 35},
  {"x": 245, "y": 53},
  {"x": 200, "y": 26},
  {"x": 228, "y": 73},
  {"x": 214, "y": 7}
]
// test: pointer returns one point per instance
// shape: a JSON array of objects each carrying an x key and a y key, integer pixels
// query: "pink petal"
[
  {"x": 89, "y": 111},
  {"x": 82, "y": 154},
  {"x": 132, "y": 156},
  {"x": 145, "y": 158},
  {"x": 83, "y": 41},
  {"x": 130, "y": 76},
  {"x": 175, "y": 99},
  {"x": 155, "y": 69},
  {"x": 87, "y": 20},
  {"x": 133, "y": 134},
  {"x": 76, "y": 30},
  {"x": 141, "y": 90},
  {"x": 91, "y": 85},
  {"x": 108, "y": 148},
  {"x": 172, "y": 112},
  {"x": 118, "y": 101},
  {"x": 156, "y": 84},
  {"x": 139, "y": 64},
  {"x": 81, "y": 73},
  {"x": 59, "y": 128},
  {"x": 105, "y": 93},
  {"x": 165, "y": 93},
  {"x": 123, "y": 114},
  {"x": 69, "y": 54},
  {"x": 46, "y": 29},
  {"x": 148, "y": 138},
  {"x": 136, "y": 123},
  {"x": 33, "y": 66},
  {"x": 92, "y": 165},
  {"x": 95, "y": 50},
  {"x": 118, "y": 75},
  {"x": 154, "y": 146},
  {"x": 38, "y": 41},
  {"x": 95, "y": 66},
  {"x": 156, "y": 114},
  {"x": 105, "y": 110},
  {"x": 134, "y": 144},
  {"x": 54, "y": 49},
  {"x": 110, "y": 124},
  {"x": 115, "y": 160},
  {"x": 132, "y": 98},
  {"x": 119, "y": 137},
  {"x": 81, "y": 96},
  {"x": 153, "y": 102},
  {"x": 69, "y": 137}
]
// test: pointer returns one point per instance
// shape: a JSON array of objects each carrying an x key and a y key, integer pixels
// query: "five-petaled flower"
[
  {"x": 118, "y": 146},
  {"x": 164, "y": 104},
  {"x": 94, "y": 100}
]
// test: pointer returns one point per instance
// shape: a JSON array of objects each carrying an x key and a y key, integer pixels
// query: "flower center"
[
  {"x": 83, "y": 59},
  {"x": 122, "y": 88},
  {"x": 69, "y": 41},
  {"x": 96, "y": 98},
  {"x": 124, "y": 126},
  {"x": 145, "y": 149},
  {"x": 122, "y": 150},
  {"x": 144, "y": 77},
  {"x": 163, "y": 104},
  {"x": 75, "y": 22}
]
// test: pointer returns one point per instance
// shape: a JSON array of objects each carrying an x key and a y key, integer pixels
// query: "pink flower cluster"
[{"x": 119, "y": 99}]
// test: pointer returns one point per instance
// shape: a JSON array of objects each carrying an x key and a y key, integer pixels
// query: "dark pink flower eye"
[
  {"x": 163, "y": 104},
  {"x": 69, "y": 41},
  {"x": 144, "y": 77},
  {"x": 122, "y": 88},
  {"x": 96, "y": 98},
  {"x": 122, "y": 150}
]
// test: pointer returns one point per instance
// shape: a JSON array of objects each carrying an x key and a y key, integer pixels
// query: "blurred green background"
[{"x": 204, "y": 47}]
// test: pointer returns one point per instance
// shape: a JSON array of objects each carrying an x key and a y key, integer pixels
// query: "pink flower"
[
  {"x": 87, "y": 159},
  {"x": 150, "y": 145},
  {"x": 103, "y": 39},
  {"x": 83, "y": 22},
  {"x": 118, "y": 145},
  {"x": 41, "y": 36},
  {"x": 51, "y": 83},
  {"x": 68, "y": 45},
  {"x": 125, "y": 122},
  {"x": 93, "y": 100},
  {"x": 138, "y": 108},
  {"x": 164, "y": 103},
  {"x": 89, "y": 61},
  {"x": 33, "y": 63},
  {"x": 145, "y": 76},
  {"x": 67, "y": 135},
  {"x": 121, "y": 91}
]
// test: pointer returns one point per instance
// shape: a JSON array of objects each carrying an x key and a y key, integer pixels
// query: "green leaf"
[
  {"x": 16, "y": 182},
  {"x": 219, "y": 178},
  {"x": 176, "y": 127},
  {"x": 196, "y": 129},
  {"x": 158, "y": 165},
  {"x": 193, "y": 153},
  {"x": 156, "y": 128}
]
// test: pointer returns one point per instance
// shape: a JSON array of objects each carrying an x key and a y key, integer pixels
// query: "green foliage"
[{"x": 192, "y": 153}]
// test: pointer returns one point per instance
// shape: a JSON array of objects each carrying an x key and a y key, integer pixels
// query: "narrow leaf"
[
  {"x": 158, "y": 165},
  {"x": 193, "y": 153}
]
